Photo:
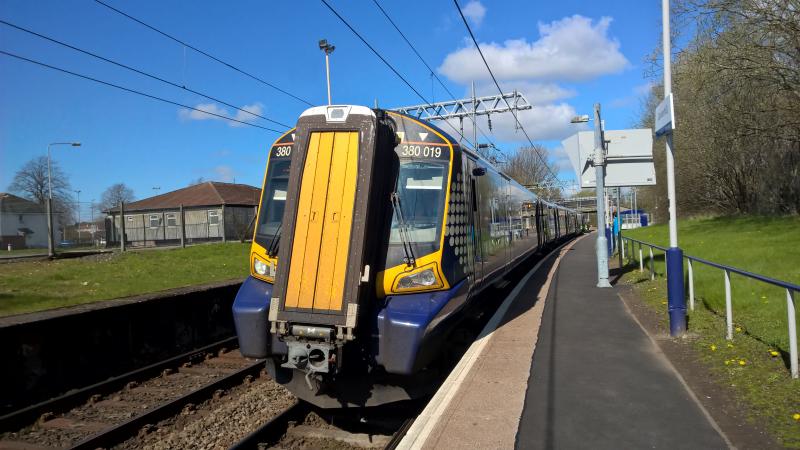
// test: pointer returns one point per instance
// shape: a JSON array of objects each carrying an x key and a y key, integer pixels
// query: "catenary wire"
[
  {"x": 432, "y": 72},
  {"x": 475, "y": 41},
  {"x": 204, "y": 53},
  {"x": 133, "y": 91},
  {"x": 141, "y": 72},
  {"x": 358, "y": 35}
]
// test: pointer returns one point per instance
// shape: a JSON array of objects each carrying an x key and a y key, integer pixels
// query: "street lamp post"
[
  {"x": 599, "y": 161},
  {"x": 328, "y": 49},
  {"x": 675, "y": 299},
  {"x": 50, "y": 244}
]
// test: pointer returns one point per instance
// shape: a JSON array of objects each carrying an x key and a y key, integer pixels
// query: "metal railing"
[{"x": 790, "y": 289}]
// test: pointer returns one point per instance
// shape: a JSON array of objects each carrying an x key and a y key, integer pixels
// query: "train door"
[
  {"x": 509, "y": 222},
  {"x": 474, "y": 245}
]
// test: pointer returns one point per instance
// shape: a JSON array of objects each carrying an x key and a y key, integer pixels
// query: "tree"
[
  {"x": 115, "y": 194},
  {"x": 30, "y": 182},
  {"x": 528, "y": 168},
  {"x": 737, "y": 97}
]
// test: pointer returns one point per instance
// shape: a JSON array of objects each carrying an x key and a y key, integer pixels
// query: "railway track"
[
  {"x": 302, "y": 426},
  {"x": 111, "y": 412}
]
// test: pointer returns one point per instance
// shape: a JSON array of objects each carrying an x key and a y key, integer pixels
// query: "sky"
[{"x": 563, "y": 56}]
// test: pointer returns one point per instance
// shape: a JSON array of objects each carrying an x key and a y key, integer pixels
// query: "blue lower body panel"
[
  {"x": 250, "y": 310},
  {"x": 408, "y": 324}
]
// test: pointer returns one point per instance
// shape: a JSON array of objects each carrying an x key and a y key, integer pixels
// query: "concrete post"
[
  {"x": 222, "y": 224},
  {"x": 122, "y": 226},
  {"x": 183, "y": 227}
]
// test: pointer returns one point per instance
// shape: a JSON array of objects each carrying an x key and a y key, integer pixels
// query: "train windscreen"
[
  {"x": 273, "y": 202},
  {"x": 421, "y": 190}
]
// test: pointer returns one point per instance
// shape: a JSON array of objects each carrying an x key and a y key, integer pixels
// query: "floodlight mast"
[{"x": 328, "y": 49}]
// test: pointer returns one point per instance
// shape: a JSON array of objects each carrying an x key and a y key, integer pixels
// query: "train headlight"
[
  {"x": 260, "y": 266},
  {"x": 425, "y": 278}
]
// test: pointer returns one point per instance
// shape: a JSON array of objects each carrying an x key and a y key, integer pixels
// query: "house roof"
[
  {"x": 210, "y": 193},
  {"x": 10, "y": 203}
]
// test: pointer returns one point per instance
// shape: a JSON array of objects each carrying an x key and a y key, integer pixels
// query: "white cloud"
[
  {"x": 191, "y": 114},
  {"x": 255, "y": 108},
  {"x": 571, "y": 49},
  {"x": 224, "y": 173},
  {"x": 643, "y": 89},
  {"x": 213, "y": 108},
  {"x": 474, "y": 11},
  {"x": 638, "y": 93}
]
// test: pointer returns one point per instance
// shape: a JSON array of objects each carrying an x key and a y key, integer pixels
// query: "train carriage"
[{"x": 375, "y": 233}]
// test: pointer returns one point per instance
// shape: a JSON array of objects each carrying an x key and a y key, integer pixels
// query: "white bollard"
[
  {"x": 691, "y": 286},
  {"x": 792, "y": 332},
  {"x": 641, "y": 259},
  {"x": 652, "y": 265},
  {"x": 728, "y": 306}
]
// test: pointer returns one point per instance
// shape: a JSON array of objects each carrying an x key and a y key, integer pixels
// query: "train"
[{"x": 376, "y": 232}]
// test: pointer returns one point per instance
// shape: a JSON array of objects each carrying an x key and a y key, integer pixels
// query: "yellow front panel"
[
  {"x": 338, "y": 223},
  {"x": 324, "y": 220}
]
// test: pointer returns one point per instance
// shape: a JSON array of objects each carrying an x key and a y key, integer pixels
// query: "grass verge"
[{"x": 37, "y": 285}]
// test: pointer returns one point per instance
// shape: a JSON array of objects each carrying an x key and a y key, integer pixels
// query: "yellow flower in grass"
[
  {"x": 713, "y": 347},
  {"x": 796, "y": 416},
  {"x": 730, "y": 345},
  {"x": 727, "y": 362},
  {"x": 773, "y": 353},
  {"x": 738, "y": 329},
  {"x": 742, "y": 362}
]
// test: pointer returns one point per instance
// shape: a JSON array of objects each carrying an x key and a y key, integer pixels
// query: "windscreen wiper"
[
  {"x": 272, "y": 248},
  {"x": 402, "y": 229}
]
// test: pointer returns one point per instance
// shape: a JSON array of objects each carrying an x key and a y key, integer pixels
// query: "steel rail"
[
  {"x": 274, "y": 428},
  {"x": 29, "y": 414},
  {"x": 119, "y": 433}
]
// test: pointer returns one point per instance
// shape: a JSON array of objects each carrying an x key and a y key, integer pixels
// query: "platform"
[{"x": 563, "y": 364}]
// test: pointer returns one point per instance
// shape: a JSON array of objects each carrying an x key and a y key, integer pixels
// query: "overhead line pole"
[{"x": 601, "y": 246}]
